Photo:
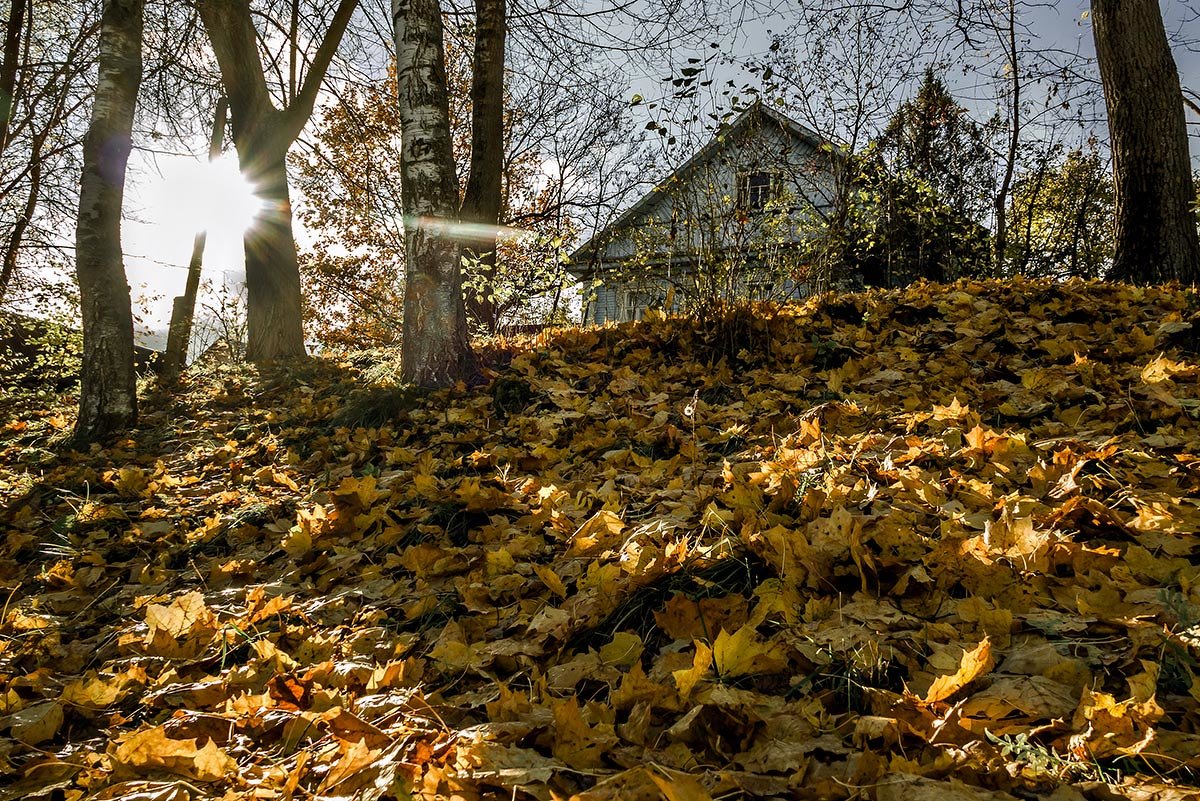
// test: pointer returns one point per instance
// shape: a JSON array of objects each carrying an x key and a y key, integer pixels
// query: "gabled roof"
[{"x": 754, "y": 113}]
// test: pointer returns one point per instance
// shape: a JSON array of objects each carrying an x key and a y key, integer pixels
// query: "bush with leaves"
[{"x": 1062, "y": 217}]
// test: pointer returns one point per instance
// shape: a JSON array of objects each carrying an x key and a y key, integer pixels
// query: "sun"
[{"x": 214, "y": 196}]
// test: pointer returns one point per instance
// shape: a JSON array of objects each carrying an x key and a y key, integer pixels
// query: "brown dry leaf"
[
  {"x": 35, "y": 724},
  {"x": 140, "y": 790},
  {"x": 509, "y": 765},
  {"x": 151, "y": 750},
  {"x": 1173, "y": 749},
  {"x": 356, "y": 757},
  {"x": 635, "y": 784},
  {"x": 182, "y": 629},
  {"x": 903, "y": 787},
  {"x": 43, "y": 781},
  {"x": 974, "y": 664},
  {"x": 685, "y": 618},
  {"x": 1032, "y": 696}
]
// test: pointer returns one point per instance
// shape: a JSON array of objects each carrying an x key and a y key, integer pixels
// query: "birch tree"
[
  {"x": 108, "y": 397},
  {"x": 435, "y": 350},
  {"x": 262, "y": 134},
  {"x": 1156, "y": 232}
]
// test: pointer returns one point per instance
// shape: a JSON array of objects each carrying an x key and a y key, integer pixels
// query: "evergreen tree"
[{"x": 925, "y": 189}]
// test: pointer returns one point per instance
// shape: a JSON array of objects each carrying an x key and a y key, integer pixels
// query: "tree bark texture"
[
  {"x": 262, "y": 135},
  {"x": 8, "y": 66},
  {"x": 483, "y": 200},
  {"x": 435, "y": 351},
  {"x": 272, "y": 269},
  {"x": 1156, "y": 233},
  {"x": 108, "y": 396}
]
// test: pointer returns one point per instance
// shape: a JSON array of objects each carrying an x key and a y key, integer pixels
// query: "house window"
[
  {"x": 633, "y": 305},
  {"x": 755, "y": 189}
]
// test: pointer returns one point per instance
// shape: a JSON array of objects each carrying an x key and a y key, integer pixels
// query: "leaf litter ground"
[{"x": 937, "y": 543}]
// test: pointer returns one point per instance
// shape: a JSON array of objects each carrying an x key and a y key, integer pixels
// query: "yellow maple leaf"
[
  {"x": 181, "y": 630},
  {"x": 678, "y": 786},
  {"x": 741, "y": 654},
  {"x": 599, "y": 532},
  {"x": 974, "y": 664},
  {"x": 578, "y": 744},
  {"x": 623, "y": 650},
  {"x": 687, "y": 678},
  {"x": 129, "y": 481},
  {"x": 550, "y": 579},
  {"x": 358, "y": 493},
  {"x": 94, "y": 691},
  {"x": 151, "y": 750}
]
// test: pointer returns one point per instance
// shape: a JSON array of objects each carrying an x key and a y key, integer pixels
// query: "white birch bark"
[{"x": 435, "y": 351}]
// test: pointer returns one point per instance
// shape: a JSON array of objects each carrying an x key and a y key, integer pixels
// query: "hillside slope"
[{"x": 937, "y": 543}]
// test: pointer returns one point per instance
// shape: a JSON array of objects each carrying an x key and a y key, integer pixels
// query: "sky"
[{"x": 171, "y": 197}]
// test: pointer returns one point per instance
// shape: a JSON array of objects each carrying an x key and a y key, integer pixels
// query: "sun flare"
[{"x": 209, "y": 196}]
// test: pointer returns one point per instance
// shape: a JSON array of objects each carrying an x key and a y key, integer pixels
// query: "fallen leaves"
[
  {"x": 35, "y": 724},
  {"x": 152, "y": 750},
  {"x": 974, "y": 663},
  {"x": 913, "y": 544}
]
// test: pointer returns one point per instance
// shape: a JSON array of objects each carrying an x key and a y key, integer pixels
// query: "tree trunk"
[
  {"x": 12, "y": 248},
  {"x": 8, "y": 67},
  {"x": 108, "y": 396},
  {"x": 272, "y": 269},
  {"x": 483, "y": 199},
  {"x": 1000, "y": 240},
  {"x": 262, "y": 135},
  {"x": 183, "y": 312},
  {"x": 1156, "y": 233},
  {"x": 435, "y": 351}
]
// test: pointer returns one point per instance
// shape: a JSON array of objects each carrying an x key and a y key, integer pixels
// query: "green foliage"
[
  {"x": 1062, "y": 217},
  {"x": 911, "y": 204},
  {"x": 38, "y": 357},
  {"x": 907, "y": 231},
  {"x": 933, "y": 139},
  {"x": 893, "y": 227},
  {"x": 1043, "y": 761},
  {"x": 524, "y": 286}
]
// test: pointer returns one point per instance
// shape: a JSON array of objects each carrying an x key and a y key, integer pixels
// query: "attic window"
[{"x": 755, "y": 189}]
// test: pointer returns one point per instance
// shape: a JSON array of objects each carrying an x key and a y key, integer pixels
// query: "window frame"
[{"x": 752, "y": 197}]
